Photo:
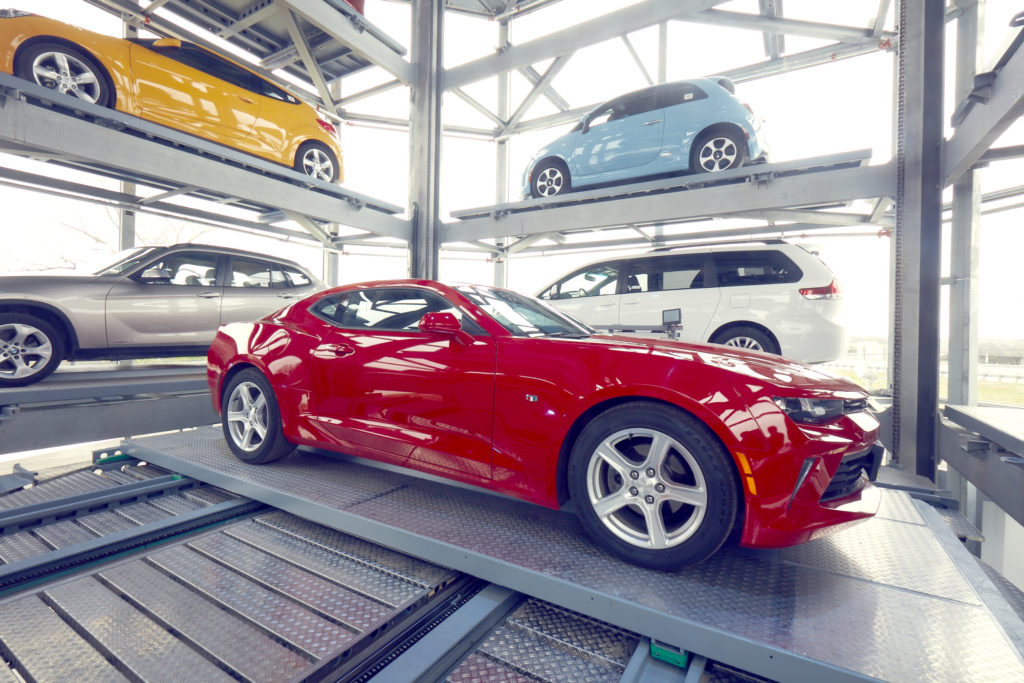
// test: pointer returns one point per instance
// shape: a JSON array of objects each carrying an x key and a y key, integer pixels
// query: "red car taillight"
[
  {"x": 328, "y": 127},
  {"x": 829, "y": 292}
]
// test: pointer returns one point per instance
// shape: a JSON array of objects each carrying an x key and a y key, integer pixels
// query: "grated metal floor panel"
[
  {"x": 541, "y": 642},
  {"x": 214, "y": 607},
  {"x": 888, "y": 599}
]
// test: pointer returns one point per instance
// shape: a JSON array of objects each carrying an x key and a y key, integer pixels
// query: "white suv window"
[
  {"x": 667, "y": 273},
  {"x": 742, "y": 268},
  {"x": 598, "y": 280}
]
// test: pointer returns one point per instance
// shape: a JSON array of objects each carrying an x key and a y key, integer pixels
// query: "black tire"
[
  {"x": 317, "y": 160},
  {"x": 30, "y": 349},
  {"x": 748, "y": 338},
  {"x": 248, "y": 407},
  {"x": 717, "y": 151},
  {"x": 66, "y": 69},
  {"x": 550, "y": 178},
  {"x": 694, "y": 465}
]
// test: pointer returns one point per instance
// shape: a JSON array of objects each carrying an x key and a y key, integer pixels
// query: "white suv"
[{"x": 772, "y": 296}]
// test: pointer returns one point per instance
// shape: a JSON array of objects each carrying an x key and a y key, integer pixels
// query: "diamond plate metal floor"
[
  {"x": 262, "y": 599},
  {"x": 894, "y": 598}
]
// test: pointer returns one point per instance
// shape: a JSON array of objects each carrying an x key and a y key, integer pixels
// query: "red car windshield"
[{"x": 524, "y": 316}]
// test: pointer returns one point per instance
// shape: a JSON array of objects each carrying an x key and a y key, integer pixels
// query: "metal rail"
[{"x": 103, "y": 404}]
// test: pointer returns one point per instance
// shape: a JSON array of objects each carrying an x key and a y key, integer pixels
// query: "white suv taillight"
[{"x": 829, "y": 292}]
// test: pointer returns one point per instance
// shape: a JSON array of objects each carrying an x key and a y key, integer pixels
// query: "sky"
[{"x": 839, "y": 107}]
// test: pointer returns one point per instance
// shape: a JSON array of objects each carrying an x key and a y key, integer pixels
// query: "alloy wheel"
[
  {"x": 67, "y": 74},
  {"x": 646, "y": 488},
  {"x": 247, "y": 416},
  {"x": 24, "y": 350}
]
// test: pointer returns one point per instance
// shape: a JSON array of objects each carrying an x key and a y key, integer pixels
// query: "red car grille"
[{"x": 848, "y": 478}]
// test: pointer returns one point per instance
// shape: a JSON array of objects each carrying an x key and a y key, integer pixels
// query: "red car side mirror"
[{"x": 445, "y": 324}]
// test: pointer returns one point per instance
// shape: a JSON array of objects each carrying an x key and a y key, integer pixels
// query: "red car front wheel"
[{"x": 653, "y": 485}]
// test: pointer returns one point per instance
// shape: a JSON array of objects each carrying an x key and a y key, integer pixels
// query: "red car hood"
[{"x": 765, "y": 367}]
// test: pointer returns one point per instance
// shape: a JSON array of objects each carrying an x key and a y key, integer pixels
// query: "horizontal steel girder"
[
  {"x": 810, "y": 189},
  {"x": 569, "y": 40}
]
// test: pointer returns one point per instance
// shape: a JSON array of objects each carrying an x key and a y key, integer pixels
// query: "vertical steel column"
[
  {"x": 126, "y": 217},
  {"x": 331, "y": 263},
  {"x": 662, "y": 52},
  {"x": 918, "y": 235},
  {"x": 425, "y": 135},
  {"x": 502, "y": 156},
  {"x": 963, "y": 286}
]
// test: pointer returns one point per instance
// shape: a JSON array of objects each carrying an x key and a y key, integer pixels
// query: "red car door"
[{"x": 381, "y": 385}]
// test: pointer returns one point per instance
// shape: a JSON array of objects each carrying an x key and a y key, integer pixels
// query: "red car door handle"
[{"x": 341, "y": 350}]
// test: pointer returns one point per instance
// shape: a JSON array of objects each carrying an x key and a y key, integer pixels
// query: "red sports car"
[{"x": 662, "y": 448}]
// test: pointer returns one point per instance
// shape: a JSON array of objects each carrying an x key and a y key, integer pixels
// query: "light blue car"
[{"x": 696, "y": 125}]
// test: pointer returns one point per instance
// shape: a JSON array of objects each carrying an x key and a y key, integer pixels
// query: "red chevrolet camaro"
[{"x": 662, "y": 448}]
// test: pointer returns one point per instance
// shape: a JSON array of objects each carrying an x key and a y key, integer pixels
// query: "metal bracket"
[{"x": 761, "y": 178}]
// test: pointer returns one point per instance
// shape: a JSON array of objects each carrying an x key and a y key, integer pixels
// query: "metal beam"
[
  {"x": 778, "y": 25},
  {"x": 556, "y": 66},
  {"x": 803, "y": 190},
  {"x": 563, "y": 42},
  {"x": 987, "y": 120},
  {"x": 344, "y": 31},
  {"x": 636, "y": 59},
  {"x": 879, "y": 23},
  {"x": 803, "y": 60},
  {"x": 247, "y": 21},
  {"x": 468, "y": 99},
  {"x": 531, "y": 74},
  {"x": 425, "y": 136},
  {"x": 129, "y": 201},
  {"x": 774, "y": 41},
  {"x": 814, "y": 217},
  {"x": 312, "y": 67},
  {"x": 965, "y": 230}
]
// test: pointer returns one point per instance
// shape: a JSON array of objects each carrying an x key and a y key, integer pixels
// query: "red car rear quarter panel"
[
  {"x": 544, "y": 386},
  {"x": 278, "y": 351}
]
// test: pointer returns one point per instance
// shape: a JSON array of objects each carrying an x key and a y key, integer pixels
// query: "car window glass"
[
  {"x": 679, "y": 93},
  {"x": 268, "y": 89},
  {"x": 599, "y": 280},
  {"x": 255, "y": 273},
  {"x": 196, "y": 269},
  {"x": 209, "y": 63},
  {"x": 389, "y": 309},
  {"x": 667, "y": 273},
  {"x": 640, "y": 103},
  {"x": 523, "y": 316},
  {"x": 740, "y": 268},
  {"x": 296, "y": 277}
]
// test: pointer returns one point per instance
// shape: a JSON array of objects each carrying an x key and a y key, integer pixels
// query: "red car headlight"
[{"x": 810, "y": 410}]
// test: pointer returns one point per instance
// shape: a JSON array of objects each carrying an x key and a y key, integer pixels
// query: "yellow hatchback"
[{"x": 174, "y": 83}]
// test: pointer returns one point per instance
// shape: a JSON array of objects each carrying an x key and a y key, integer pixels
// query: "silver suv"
[{"x": 151, "y": 302}]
